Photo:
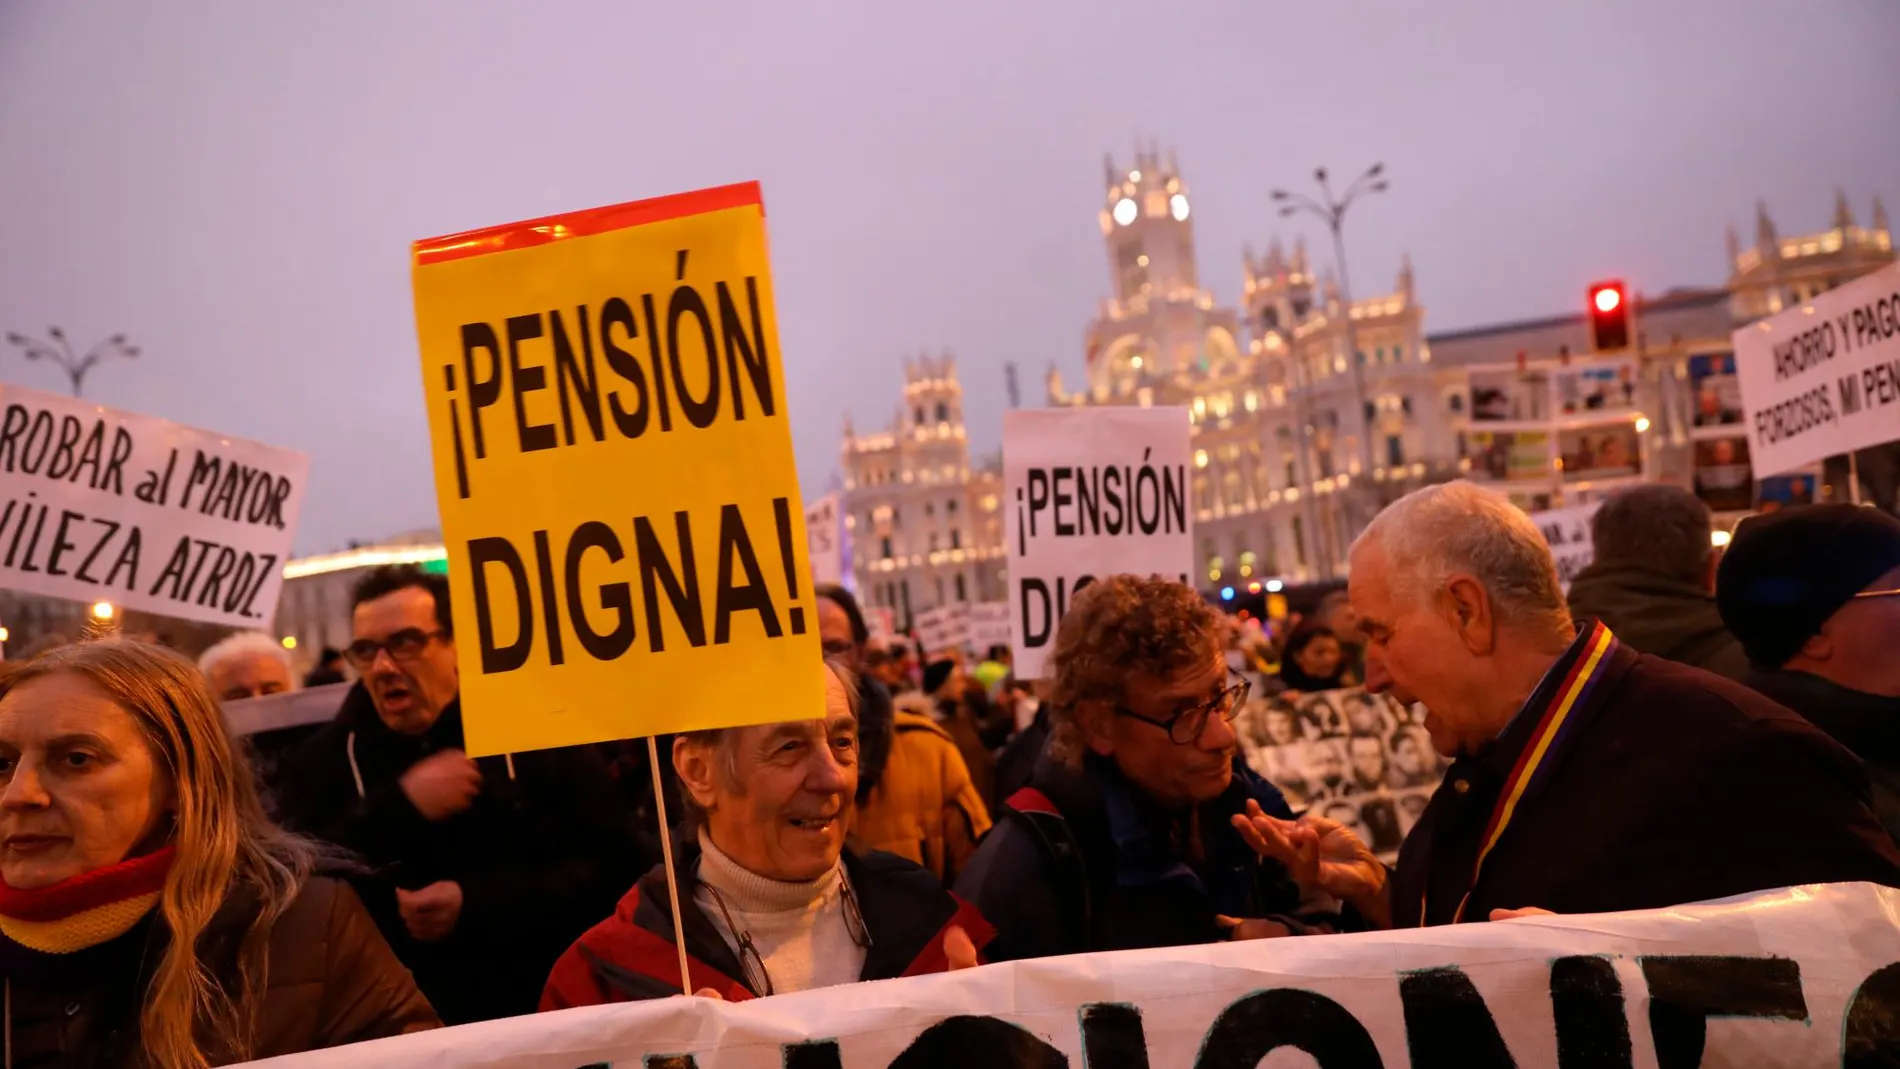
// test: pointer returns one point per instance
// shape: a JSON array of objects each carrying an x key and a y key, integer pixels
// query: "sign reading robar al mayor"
[{"x": 613, "y": 462}]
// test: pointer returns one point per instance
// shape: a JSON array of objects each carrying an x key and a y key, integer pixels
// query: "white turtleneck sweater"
[{"x": 799, "y": 929}]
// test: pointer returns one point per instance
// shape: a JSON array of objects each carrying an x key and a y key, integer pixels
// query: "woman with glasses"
[
  {"x": 1124, "y": 837},
  {"x": 772, "y": 900}
]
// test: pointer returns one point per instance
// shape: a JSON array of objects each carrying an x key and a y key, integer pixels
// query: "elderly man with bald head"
[{"x": 1587, "y": 777}]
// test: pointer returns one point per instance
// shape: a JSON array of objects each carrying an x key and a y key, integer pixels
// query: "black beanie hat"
[
  {"x": 1786, "y": 572},
  {"x": 935, "y": 673}
]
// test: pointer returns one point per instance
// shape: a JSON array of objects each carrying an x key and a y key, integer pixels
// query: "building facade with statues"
[{"x": 1308, "y": 416}]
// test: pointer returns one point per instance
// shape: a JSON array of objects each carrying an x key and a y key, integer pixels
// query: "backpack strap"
[{"x": 1064, "y": 854}]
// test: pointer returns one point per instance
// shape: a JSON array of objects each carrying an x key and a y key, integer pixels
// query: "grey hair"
[
  {"x": 241, "y": 643},
  {"x": 1663, "y": 528},
  {"x": 1460, "y": 528},
  {"x": 726, "y": 757}
]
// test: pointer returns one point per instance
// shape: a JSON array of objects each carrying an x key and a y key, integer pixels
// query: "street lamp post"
[
  {"x": 1333, "y": 212},
  {"x": 73, "y": 365}
]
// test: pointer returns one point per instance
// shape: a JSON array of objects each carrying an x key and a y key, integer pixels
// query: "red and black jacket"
[{"x": 630, "y": 955}]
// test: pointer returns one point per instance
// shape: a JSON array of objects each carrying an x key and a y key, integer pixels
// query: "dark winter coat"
[
  {"x": 1658, "y": 615},
  {"x": 331, "y": 980},
  {"x": 631, "y": 956},
  {"x": 1133, "y": 884},
  {"x": 1676, "y": 786},
  {"x": 539, "y": 856},
  {"x": 1867, "y": 724}
]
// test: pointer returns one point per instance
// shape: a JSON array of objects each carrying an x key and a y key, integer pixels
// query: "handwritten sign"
[{"x": 105, "y": 505}]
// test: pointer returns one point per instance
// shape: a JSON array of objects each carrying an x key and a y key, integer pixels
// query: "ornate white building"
[{"x": 925, "y": 527}]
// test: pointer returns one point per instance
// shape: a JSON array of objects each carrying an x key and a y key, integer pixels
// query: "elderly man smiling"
[{"x": 771, "y": 899}]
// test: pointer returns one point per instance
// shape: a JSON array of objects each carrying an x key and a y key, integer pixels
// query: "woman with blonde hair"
[{"x": 150, "y": 913}]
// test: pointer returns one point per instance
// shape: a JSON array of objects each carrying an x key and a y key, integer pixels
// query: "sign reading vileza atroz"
[
  {"x": 1823, "y": 377},
  {"x": 1089, "y": 493},
  {"x": 613, "y": 461},
  {"x": 97, "y": 504}
]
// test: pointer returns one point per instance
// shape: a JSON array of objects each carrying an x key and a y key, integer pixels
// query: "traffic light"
[{"x": 1609, "y": 311}]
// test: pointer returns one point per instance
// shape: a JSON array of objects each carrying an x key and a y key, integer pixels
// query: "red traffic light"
[{"x": 1609, "y": 314}]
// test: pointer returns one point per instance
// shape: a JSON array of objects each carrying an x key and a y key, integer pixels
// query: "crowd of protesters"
[{"x": 1679, "y": 728}]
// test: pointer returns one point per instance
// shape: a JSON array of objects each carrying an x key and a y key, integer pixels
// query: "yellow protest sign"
[{"x": 613, "y": 461}]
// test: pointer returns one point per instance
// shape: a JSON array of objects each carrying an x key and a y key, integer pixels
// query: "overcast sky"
[{"x": 235, "y": 185}]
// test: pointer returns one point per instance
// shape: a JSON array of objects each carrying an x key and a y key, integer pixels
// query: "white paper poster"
[
  {"x": 1797, "y": 978},
  {"x": 104, "y": 505},
  {"x": 945, "y": 627},
  {"x": 1823, "y": 377},
  {"x": 824, "y": 538},
  {"x": 1568, "y": 533},
  {"x": 1090, "y": 492},
  {"x": 989, "y": 625}
]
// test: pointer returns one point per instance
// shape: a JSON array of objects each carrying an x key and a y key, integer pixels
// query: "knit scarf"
[{"x": 86, "y": 910}]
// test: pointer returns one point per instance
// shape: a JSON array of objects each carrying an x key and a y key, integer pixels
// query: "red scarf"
[{"x": 86, "y": 910}]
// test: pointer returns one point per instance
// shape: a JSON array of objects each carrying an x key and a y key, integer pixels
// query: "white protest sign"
[
  {"x": 287, "y": 709},
  {"x": 1823, "y": 378},
  {"x": 824, "y": 538},
  {"x": 1092, "y": 492},
  {"x": 989, "y": 625},
  {"x": 104, "y": 505},
  {"x": 1568, "y": 533},
  {"x": 1795, "y": 978},
  {"x": 945, "y": 627}
]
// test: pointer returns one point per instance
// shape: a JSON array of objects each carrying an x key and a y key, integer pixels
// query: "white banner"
[
  {"x": 824, "y": 538},
  {"x": 290, "y": 709},
  {"x": 989, "y": 625},
  {"x": 1794, "y": 978},
  {"x": 1091, "y": 492},
  {"x": 945, "y": 627},
  {"x": 1568, "y": 533},
  {"x": 103, "y": 505},
  {"x": 1823, "y": 378}
]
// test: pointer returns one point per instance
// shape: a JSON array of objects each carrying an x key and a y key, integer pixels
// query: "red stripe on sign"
[{"x": 533, "y": 232}]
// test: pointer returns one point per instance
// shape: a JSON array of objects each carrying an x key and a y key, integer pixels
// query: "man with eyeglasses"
[
  {"x": 480, "y": 872},
  {"x": 1814, "y": 595},
  {"x": 1124, "y": 836},
  {"x": 771, "y": 899}
]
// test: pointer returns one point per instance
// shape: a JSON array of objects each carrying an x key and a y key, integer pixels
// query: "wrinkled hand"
[
  {"x": 430, "y": 914},
  {"x": 1317, "y": 852},
  {"x": 442, "y": 784},
  {"x": 1513, "y": 914},
  {"x": 1238, "y": 928},
  {"x": 958, "y": 950}
]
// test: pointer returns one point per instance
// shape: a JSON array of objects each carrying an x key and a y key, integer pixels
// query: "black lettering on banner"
[
  {"x": 85, "y": 566},
  {"x": 204, "y": 472},
  {"x": 700, "y": 412},
  {"x": 1148, "y": 487},
  {"x": 156, "y": 489},
  {"x": 1685, "y": 991},
  {"x": 739, "y": 350},
  {"x": 533, "y": 437},
  {"x": 684, "y": 595},
  {"x": 60, "y": 544},
  {"x": 63, "y": 459},
  {"x": 220, "y": 569},
  {"x": 10, "y": 429},
  {"x": 1115, "y": 515},
  {"x": 1593, "y": 1030},
  {"x": 616, "y": 597},
  {"x": 174, "y": 569},
  {"x": 1112, "y": 1036},
  {"x": 658, "y": 362},
  {"x": 129, "y": 560},
  {"x": 579, "y": 377},
  {"x": 41, "y": 431},
  {"x": 240, "y": 583},
  {"x": 1062, "y": 497},
  {"x": 631, "y": 424},
  {"x": 782, "y": 522},
  {"x": 114, "y": 475},
  {"x": 550, "y": 601},
  {"x": 1036, "y": 619},
  {"x": 90, "y": 455},
  {"x": 482, "y": 393},
  {"x": 264, "y": 573},
  {"x": 496, "y": 659},
  {"x": 967, "y": 1040},
  {"x": 13, "y": 547},
  {"x": 1038, "y": 496},
  {"x": 815, "y": 1054},
  {"x": 1263, "y": 1022},
  {"x": 33, "y": 543},
  {"x": 1447, "y": 1024},
  {"x": 736, "y": 544},
  {"x": 1871, "y": 1039},
  {"x": 1850, "y": 394}
]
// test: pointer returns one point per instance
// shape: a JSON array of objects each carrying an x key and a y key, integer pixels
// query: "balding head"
[{"x": 1456, "y": 594}]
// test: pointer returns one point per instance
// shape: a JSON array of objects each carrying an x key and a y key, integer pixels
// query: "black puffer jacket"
[{"x": 542, "y": 854}]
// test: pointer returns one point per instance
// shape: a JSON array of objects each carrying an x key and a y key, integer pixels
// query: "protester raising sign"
[
  {"x": 614, "y": 466},
  {"x": 1823, "y": 378},
  {"x": 824, "y": 534},
  {"x": 1568, "y": 533},
  {"x": 1091, "y": 492},
  {"x": 104, "y": 505},
  {"x": 1797, "y": 978}
]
